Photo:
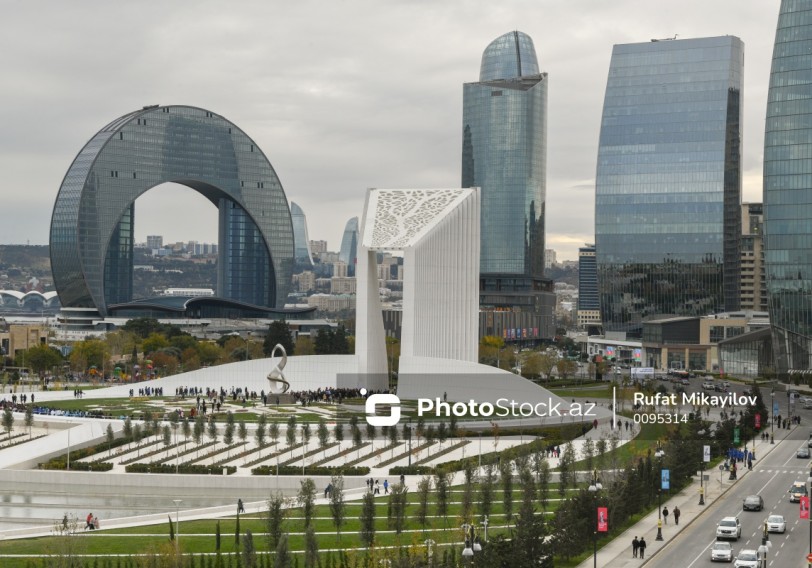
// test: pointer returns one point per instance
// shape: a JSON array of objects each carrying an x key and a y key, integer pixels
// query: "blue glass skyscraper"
[
  {"x": 348, "y": 254},
  {"x": 301, "y": 240},
  {"x": 504, "y": 153},
  {"x": 668, "y": 185},
  {"x": 788, "y": 188}
]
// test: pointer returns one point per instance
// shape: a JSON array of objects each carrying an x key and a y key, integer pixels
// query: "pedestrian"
[
  {"x": 65, "y": 522},
  {"x": 635, "y": 547},
  {"x": 643, "y": 547},
  {"x": 328, "y": 490},
  {"x": 402, "y": 479},
  {"x": 89, "y": 522},
  {"x": 377, "y": 488},
  {"x": 665, "y": 515},
  {"x": 386, "y": 486},
  {"x": 240, "y": 508},
  {"x": 95, "y": 522},
  {"x": 676, "y": 515}
]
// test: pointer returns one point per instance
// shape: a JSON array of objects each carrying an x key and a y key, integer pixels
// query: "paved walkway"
[{"x": 618, "y": 552}]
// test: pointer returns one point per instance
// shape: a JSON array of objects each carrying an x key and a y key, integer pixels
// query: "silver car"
[
  {"x": 747, "y": 559},
  {"x": 721, "y": 552},
  {"x": 776, "y": 524}
]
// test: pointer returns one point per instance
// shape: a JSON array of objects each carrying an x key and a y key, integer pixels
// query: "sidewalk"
[{"x": 618, "y": 552}]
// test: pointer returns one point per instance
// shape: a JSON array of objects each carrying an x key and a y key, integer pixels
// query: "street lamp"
[
  {"x": 659, "y": 454},
  {"x": 468, "y": 531},
  {"x": 409, "y": 429},
  {"x": 485, "y": 524},
  {"x": 594, "y": 487},
  {"x": 702, "y": 473},
  {"x": 177, "y": 503},
  {"x": 429, "y": 550},
  {"x": 772, "y": 411}
]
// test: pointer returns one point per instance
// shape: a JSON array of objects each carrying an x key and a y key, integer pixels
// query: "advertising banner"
[
  {"x": 805, "y": 508},
  {"x": 758, "y": 421},
  {"x": 603, "y": 519},
  {"x": 665, "y": 482}
]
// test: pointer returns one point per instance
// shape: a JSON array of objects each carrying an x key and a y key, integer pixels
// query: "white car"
[
  {"x": 776, "y": 524},
  {"x": 747, "y": 558},
  {"x": 721, "y": 552},
  {"x": 729, "y": 527}
]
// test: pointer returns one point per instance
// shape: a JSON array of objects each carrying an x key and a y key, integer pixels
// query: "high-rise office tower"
[
  {"x": 301, "y": 242},
  {"x": 753, "y": 276},
  {"x": 589, "y": 306},
  {"x": 668, "y": 186},
  {"x": 504, "y": 153},
  {"x": 788, "y": 188},
  {"x": 348, "y": 253}
]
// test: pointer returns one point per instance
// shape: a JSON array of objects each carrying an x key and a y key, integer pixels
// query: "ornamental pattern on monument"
[{"x": 402, "y": 214}]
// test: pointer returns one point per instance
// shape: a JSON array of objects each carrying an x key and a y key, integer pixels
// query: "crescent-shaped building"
[{"x": 92, "y": 226}]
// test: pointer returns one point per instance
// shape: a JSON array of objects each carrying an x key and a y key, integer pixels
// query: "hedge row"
[
  {"x": 311, "y": 470},
  {"x": 166, "y": 468},
  {"x": 60, "y": 463}
]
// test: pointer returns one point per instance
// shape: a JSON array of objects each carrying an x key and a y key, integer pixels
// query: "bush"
[{"x": 62, "y": 463}]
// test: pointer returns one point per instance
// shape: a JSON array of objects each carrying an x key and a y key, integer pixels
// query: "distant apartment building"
[
  {"x": 318, "y": 247},
  {"x": 549, "y": 258},
  {"x": 19, "y": 337},
  {"x": 753, "y": 275},
  {"x": 340, "y": 270},
  {"x": 342, "y": 285},
  {"x": 332, "y": 303},
  {"x": 155, "y": 242},
  {"x": 305, "y": 281}
]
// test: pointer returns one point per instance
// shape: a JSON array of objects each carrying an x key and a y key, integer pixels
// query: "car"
[
  {"x": 808, "y": 405},
  {"x": 721, "y": 552},
  {"x": 753, "y": 503},
  {"x": 729, "y": 527},
  {"x": 720, "y": 388},
  {"x": 797, "y": 491},
  {"x": 708, "y": 385},
  {"x": 747, "y": 558},
  {"x": 776, "y": 524},
  {"x": 726, "y": 384},
  {"x": 802, "y": 453}
]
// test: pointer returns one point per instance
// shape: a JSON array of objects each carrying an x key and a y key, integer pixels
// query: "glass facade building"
[
  {"x": 668, "y": 184},
  {"x": 92, "y": 225},
  {"x": 348, "y": 254},
  {"x": 301, "y": 242},
  {"x": 788, "y": 188},
  {"x": 504, "y": 153}
]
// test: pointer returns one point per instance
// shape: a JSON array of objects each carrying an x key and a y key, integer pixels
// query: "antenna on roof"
[{"x": 666, "y": 38}]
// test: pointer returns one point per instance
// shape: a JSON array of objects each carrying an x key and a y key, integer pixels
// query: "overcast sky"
[{"x": 340, "y": 95}]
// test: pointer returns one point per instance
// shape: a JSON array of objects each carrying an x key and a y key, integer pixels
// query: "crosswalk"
[{"x": 782, "y": 470}]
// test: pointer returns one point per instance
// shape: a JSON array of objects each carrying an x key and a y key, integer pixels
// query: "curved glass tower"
[
  {"x": 788, "y": 188},
  {"x": 348, "y": 253},
  {"x": 92, "y": 225},
  {"x": 504, "y": 153},
  {"x": 668, "y": 183},
  {"x": 301, "y": 241}
]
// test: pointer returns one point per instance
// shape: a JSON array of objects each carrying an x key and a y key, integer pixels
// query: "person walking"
[
  {"x": 240, "y": 507},
  {"x": 676, "y": 515},
  {"x": 665, "y": 515},
  {"x": 377, "y": 488},
  {"x": 643, "y": 547},
  {"x": 635, "y": 547},
  {"x": 385, "y": 486}
]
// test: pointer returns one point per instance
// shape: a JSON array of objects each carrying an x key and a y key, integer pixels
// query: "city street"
[{"x": 771, "y": 478}]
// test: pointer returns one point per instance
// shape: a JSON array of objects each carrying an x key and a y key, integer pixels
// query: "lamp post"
[
  {"x": 772, "y": 410},
  {"x": 702, "y": 473},
  {"x": 429, "y": 550},
  {"x": 468, "y": 550},
  {"x": 485, "y": 524},
  {"x": 764, "y": 548},
  {"x": 409, "y": 430},
  {"x": 177, "y": 503},
  {"x": 659, "y": 454},
  {"x": 594, "y": 487}
]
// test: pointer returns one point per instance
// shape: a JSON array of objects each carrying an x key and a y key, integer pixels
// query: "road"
[{"x": 771, "y": 478}]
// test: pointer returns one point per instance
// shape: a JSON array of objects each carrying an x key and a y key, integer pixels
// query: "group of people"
[
  {"x": 375, "y": 487},
  {"x": 91, "y": 522},
  {"x": 639, "y": 547},
  {"x": 676, "y": 513}
]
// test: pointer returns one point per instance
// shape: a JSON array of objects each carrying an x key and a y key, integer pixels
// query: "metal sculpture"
[{"x": 279, "y": 384}]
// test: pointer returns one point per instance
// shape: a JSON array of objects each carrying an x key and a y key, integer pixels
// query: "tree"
[
  {"x": 259, "y": 433},
  {"x": 323, "y": 434},
  {"x": 128, "y": 430},
  {"x": 283, "y": 557},
  {"x": 278, "y": 333},
  {"x": 186, "y": 428},
  {"x": 213, "y": 431},
  {"x": 367, "y": 519},
  {"x": 423, "y": 492},
  {"x": 370, "y": 432},
  {"x": 305, "y": 433},
  {"x": 396, "y": 511},
  {"x": 228, "y": 434},
  {"x": 198, "y": 431},
  {"x": 547, "y": 362},
  {"x": 275, "y": 519},
  {"x": 441, "y": 482},
  {"x": 8, "y": 421},
  {"x": 273, "y": 432},
  {"x": 337, "y": 505},
  {"x": 249, "y": 553},
  {"x": 242, "y": 432},
  {"x": 306, "y": 497},
  {"x": 338, "y": 432},
  {"x": 393, "y": 438},
  {"x": 486, "y": 490},
  {"x": 468, "y": 491},
  {"x": 442, "y": 433},
  {"x": 311, "y": 553},
  {"x": 41, "y": 358},
  {"x": 565, "y": 468},
  {"x": 29, "y": 419},
  {"x": 544, "y": 475},
  {"x": 506, "y": 473},
  {"x": 566, "y": 367},
  {"x": 531, "y": 547},
  {"x": 167, "y": 435},
  {"x": 290, "y": 433}
]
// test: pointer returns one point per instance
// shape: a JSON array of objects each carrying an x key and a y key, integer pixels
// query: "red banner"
[
  {"x": 805, "y": 508},
  {"x": 758, "y": 421},
  {"x": 603, "y": 519}
]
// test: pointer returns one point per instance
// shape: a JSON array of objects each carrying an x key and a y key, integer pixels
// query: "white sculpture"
[{"x": 279, "y": 385}]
